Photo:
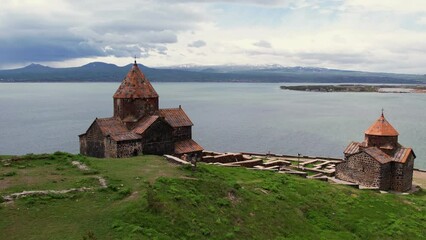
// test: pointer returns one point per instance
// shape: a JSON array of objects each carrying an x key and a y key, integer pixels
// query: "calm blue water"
[{"x": 47, "y": 117}]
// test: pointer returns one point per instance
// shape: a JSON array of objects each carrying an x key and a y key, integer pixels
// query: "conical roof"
[
  {"x": 135, "y": 85},
  {"x": 381, "y": 128}
]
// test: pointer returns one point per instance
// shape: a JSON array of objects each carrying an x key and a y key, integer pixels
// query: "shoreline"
[{"x": 417, "y": 88}]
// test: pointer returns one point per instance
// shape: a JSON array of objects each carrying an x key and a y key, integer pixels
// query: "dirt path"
[
  {"x": 81, "y": 166},
  {"x": 14, "y": 196},
  {"x": 419, "y": 178}
]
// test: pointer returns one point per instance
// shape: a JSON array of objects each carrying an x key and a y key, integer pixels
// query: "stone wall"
[
  {"x": 110, "y": 147},
  {"x": 135, "y": 108},
  {"x": 83, "y": 144},
  {"x": 182, "y": 133},
  {"x": 158, "y": 139},
  {"x": 362, "y": 169},
  {"x": 93, "y": 142},
  {"x": 385, "y": 176},
  {"x": 129, "y": 148},
  {"x": 402, "y": 175},
  {"x": 378, "y": 141}
]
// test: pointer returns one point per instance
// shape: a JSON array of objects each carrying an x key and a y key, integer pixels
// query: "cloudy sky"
[{"x": 379, "y": 35}]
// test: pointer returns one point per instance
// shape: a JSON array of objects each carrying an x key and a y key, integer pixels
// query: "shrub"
[
  {"x": 124, "y": 192},
  {"x": 223, "y": 202}
]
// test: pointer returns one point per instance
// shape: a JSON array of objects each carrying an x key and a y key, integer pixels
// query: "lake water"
[{"x": 47, "y": 117}]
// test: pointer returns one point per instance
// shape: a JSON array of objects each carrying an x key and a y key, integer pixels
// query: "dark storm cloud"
[{"x": 90, "y": 29}]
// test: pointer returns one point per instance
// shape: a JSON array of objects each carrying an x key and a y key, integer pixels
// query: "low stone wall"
[
  {"x": 247, "y": 163},
  {"x": 223, "y": 158}
]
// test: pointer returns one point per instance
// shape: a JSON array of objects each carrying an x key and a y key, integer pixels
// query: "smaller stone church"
[
  {"x": 379, "y": 161},
  {"x": 139, "y": 126}
]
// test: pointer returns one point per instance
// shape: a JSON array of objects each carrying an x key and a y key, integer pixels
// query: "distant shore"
[{"x": 359, "y": 88}]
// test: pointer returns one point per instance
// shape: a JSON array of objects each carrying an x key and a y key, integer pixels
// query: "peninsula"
[{"x": 359, "y": 88}]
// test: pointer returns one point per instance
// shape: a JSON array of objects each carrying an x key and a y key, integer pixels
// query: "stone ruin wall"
[{"x": 361, "y": 169}]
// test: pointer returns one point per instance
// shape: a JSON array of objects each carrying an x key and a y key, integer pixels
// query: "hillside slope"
[{"x": 149, "y": 198}]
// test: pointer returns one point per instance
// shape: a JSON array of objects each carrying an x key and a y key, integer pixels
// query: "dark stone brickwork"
[
  {"x": 182, "y": 133},
  {"x": 362, "y": 169},
  {"x": 380, "y": 141},
  {"x": 128, "y": 149},
  {"x": 139, "y": 126},
  {"x": 135, "y": 108},
  {"x": 402, "y": 175},
  {"x": 93, "y": 142},
  {"x": 158, "y": 139}
]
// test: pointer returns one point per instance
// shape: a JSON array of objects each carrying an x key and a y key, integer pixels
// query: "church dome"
[
  {"x": 381, "y": 128},
  {"x": 135, "y": 85}
]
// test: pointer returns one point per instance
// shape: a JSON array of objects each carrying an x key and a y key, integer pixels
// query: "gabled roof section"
[
  {"x": 128, "y": 136},
  {"x": 402, "y": 154},
  {"x": 381, "y": 128},
  {"x": 176, "y": 117},
  {"x": 377, "y": 154},
  {"x": 187, "y": 146},
  {"x": 352, "y": 148},
  {"x": 144, "y": 124},
  {"x": 114, "y": 128},
  {"x": 135, "y": 85}
]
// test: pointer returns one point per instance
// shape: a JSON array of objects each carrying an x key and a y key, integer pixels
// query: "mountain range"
[{"x": 104, "y": 72}]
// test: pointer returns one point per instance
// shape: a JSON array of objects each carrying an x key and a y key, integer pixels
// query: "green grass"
[
  {"x": 149, "y": 198},
  {"x": 40, "y": 172}
]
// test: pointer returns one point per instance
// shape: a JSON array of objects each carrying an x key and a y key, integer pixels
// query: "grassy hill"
[{"x": 149, "y": 198}]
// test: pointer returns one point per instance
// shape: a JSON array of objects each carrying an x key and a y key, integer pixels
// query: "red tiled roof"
[
  {"x": 125, "y": 136},
  {"x": 176, "y": 117},
  {"x": 381, "y": 128},
  {"x": 114, "y": 128},
  {"x": 144, "y": 124},
  {"x": 111, "y": 125},
  {"x": 187, "y": 146},
  {"x": 377, "y": 154},
  {"x": 135, "y": 85},
  {"x": 402, "y": 154},
  {"x": 352, "y": 148}
]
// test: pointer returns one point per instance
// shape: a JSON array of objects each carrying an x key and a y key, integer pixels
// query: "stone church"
[
  {"x": 139, "y": 126},
  {"x": 379, "y": 161}
]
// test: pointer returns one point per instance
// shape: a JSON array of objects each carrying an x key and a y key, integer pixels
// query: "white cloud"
[
  {"x": 382, "y": 35},
  {"x": 388, "y": 5}
]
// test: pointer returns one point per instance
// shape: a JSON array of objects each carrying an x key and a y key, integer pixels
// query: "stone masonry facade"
[
  {"x": 139, "y": 126},
  {"x": 380, "y": 161}
]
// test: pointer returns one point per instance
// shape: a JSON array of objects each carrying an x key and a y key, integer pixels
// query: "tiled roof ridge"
[
  {"x": 381, "y": 127},
  {"x": 378, "y": 154},
  {"x": 135, "y": 85}
]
